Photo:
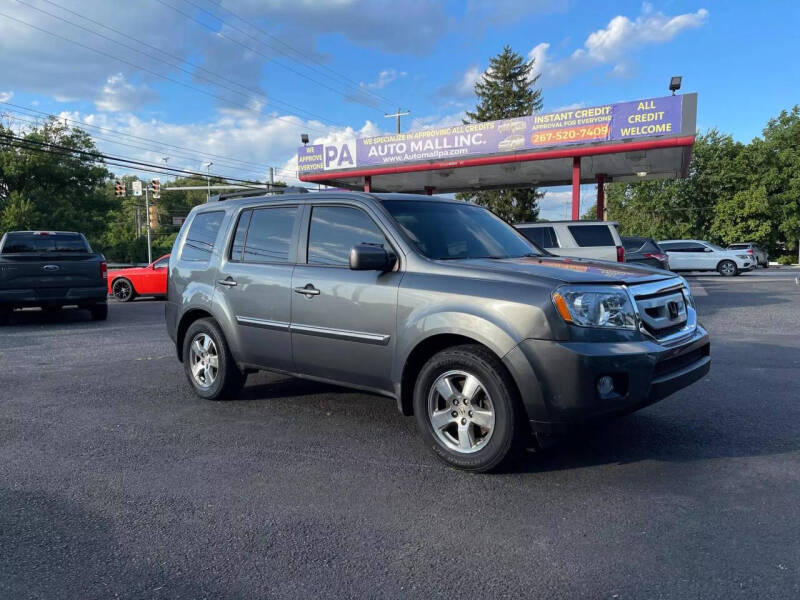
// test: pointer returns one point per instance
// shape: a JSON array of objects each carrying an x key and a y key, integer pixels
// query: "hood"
[{"x": 566, "y": 270}]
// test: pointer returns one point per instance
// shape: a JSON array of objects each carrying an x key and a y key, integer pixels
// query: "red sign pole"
[
  {"x": 368, "y": 183},
  {"x": 601, "y": 197},
  {"x": 576, "y": 188}
]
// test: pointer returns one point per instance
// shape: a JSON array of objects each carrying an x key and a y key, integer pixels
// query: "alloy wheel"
[
  {"x": 460, "y": 411},
  {"x": 122, "y": 290},
  {"x": 204, "y": 360}
]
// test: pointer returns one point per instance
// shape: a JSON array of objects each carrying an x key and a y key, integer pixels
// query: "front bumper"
[
  {"x": 560, "y": 390},
  {"x": 53, "y": 296}
]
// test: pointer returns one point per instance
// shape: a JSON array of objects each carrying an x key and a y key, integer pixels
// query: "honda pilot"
[{"x": 436, "y": 303}]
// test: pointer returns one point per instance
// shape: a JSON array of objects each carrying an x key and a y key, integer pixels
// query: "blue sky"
[{"x": 240, "y": 79}]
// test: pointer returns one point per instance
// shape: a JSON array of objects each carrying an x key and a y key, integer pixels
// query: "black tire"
[
  {"x": 727, "y": 268},
  {"x": 99, "y": 312},
  {"x": 126, "y": 290},
  {"x": 508, "y": 432},
  {"x": 228, "y": 381},
  {"x": 766, "y": 264}
]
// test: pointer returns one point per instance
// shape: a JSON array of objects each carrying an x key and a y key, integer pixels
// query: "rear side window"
[
  {"x": 544, "y": 237},
  {"x": 21, "y": 243},
  {"x": 269, "y": 235},
  {"x": 632, "y": 244},
  {"x": 241, "y": 233},
  {"x": 334, "y": 230},
  {"x": 202, "y": 235},
  {"x": 739, "y": 247},
  {"x": 592, "y": 235}
]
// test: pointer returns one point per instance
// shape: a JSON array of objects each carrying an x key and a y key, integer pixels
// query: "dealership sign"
[{"x": 653, "y": 117}]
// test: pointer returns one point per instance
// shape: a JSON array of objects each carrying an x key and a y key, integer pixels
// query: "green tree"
[
  {"x": 507, "y": 89},
  {"x": 48, "y": 187},
  {"x": 683, "y": 208},
  {"x": 745, "y": 216}
]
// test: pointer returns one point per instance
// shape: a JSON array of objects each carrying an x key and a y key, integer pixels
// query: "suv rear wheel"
[
  {"x": 208, "y": 363},
  {"x": 467, "y": 408}
]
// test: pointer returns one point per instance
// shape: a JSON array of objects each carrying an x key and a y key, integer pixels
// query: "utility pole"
[
  {"x": 208, "y": 181},
  {"x": 271, "y": 180},
  {"x": 397, "y": 115},
  {"x": 147, "y": 219}
]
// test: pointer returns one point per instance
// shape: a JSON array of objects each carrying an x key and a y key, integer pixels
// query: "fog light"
[{"x": 605, "y": 386}]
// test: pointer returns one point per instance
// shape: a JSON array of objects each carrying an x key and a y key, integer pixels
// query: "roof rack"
[{"x": 259, "y": 192}]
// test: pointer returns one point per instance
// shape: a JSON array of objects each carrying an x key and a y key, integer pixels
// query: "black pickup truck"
[{"x": 51, "y": 269}]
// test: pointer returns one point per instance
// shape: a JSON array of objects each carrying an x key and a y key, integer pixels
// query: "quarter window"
[
  {"x": 269, "y": 235},
  {"x": 334, "y": 230},
  {"x": 592, "y": 235},
  {"x": 201, "y": 235},
  {"x": 241, "y": 232},
  {"x": 544, "y": 237}
]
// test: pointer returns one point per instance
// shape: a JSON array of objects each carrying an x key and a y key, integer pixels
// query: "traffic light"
[
  {"x": 153, "y": 217},
  {"x": 119, "y": 188},
  {"x": 156, "y": 188}
]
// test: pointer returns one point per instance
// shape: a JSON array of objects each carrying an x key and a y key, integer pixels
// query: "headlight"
[
  {"x": 743, "y": 256},
  {"x": 595, "y": 307}
]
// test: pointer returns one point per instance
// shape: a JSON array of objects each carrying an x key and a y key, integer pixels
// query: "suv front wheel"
[
  {"x": 467, "y": 408},
  {"x": 208, "y": 363}
]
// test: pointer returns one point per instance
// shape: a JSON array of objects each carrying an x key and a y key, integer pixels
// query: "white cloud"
[
  {"x": 462, "y": 86},
  {"x": 6, "y": 96},
  {"x": 615, "y": 43},
  {"x": 365, "y": 93},
  {"x": 120, "y": 95},
  {"x": 557, "y": 203},
  {"x": 436, "y": 121}
]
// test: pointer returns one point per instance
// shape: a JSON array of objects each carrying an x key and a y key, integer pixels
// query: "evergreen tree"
[{"x": 507, "y": 90}]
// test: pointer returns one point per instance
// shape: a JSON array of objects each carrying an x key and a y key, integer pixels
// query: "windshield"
[
  {"x": 450, "y": 231},
  {"x": 29, "y": 242}
]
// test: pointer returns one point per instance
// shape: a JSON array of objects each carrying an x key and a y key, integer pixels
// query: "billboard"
[{"x": 651, "y": 117}]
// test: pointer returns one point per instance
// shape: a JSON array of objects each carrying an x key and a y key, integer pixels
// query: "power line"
[
  {"x": 100, "y": 155},
  {"x": 345, "y": 80},
  {"x": 130, "y": 135},
  {"x": 302, "y": 55},
  {"x": 180, "y": 60},
  {"x": 154, "y": 73},
  {"x": 251, "y": 49},
  {"x": 16, "y": 117}
]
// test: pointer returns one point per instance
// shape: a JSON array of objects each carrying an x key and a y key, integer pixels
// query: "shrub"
[{"x": 786, "y": 260}]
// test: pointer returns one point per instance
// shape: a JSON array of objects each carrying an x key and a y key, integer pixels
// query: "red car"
[{"x": 126, "y": 284}]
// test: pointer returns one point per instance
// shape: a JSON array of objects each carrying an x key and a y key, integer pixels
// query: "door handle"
[
  {"x": 308, "y": 291},
  {"x": 230, "y": 282}
]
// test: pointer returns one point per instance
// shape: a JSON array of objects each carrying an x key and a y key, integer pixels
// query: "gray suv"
[{"x": 436, "y": 303}]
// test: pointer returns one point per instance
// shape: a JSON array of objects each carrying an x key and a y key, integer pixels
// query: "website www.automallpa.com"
[{"x": 412, "y": 156}]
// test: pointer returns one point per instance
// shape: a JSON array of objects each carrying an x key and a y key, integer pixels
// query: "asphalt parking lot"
[{"x": 116, "y": 481}]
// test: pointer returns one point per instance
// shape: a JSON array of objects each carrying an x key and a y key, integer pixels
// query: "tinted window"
[
  {"x": 334, "y": 230},
  {"x": 669, "y": 246},
  {"x": 241, "y": 232},
  {"x": 201, "y": 236},
  {"x": 161, "y": 264},
  {"x": 544, "y": 237},
  {"x": 693, "y": 247},
  {"x": 739, "y": 247},
  {"x": 592, "y": 235},
  {"x": 18, "y": 243},
  {"x": 269, "y": 234},
  {"x": 632, "y": 244},
  {"x": 451, "y": 230}
]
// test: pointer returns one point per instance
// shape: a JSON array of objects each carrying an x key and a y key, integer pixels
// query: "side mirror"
[
  {"x": 368, "y": 257},
  {"x": 707, "y": 250}
]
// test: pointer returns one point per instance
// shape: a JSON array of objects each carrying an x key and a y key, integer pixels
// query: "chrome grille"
[{"x": 663, "y": 309}]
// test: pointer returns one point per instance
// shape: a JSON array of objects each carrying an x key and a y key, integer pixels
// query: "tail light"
[
  {"x": 750, "y": 251},
  {"x": 656, "y": 255},
  {"x": 104, "y": 270},
  {"x": 620, "y": 254}
]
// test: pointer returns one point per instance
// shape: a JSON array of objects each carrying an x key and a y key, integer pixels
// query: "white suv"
[
  {"x": 581, "y": 239},
  {"x": 697, "y": 255}
]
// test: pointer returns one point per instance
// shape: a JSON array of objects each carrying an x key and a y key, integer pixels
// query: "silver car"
[{"x": 436, "y": 303}]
